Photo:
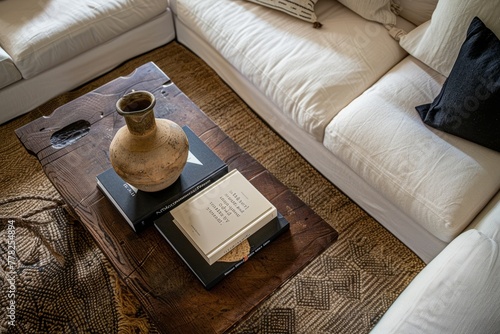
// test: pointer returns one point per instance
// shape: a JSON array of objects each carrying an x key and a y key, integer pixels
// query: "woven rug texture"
[{"x": 61, "y": 282}]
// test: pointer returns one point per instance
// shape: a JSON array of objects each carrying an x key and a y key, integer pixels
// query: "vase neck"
[
  {"x": 141, "y": 124},
  {"x": 138, "y": 110}
]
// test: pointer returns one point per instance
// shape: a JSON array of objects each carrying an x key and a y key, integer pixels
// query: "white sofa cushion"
[
  {"x": 438, "y": 41},
  {"x": 41, "y": 34},
  {"x": 439, "y": 180},
  {"x": 285, "y": 58},
  {"x": 458, "y": 292},
  {"x": 8, "y": 71}
]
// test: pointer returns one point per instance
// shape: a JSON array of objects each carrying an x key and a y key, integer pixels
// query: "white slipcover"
[
  {"x": 458, "y": 292},
  {"x": 310, "y": 74},
  {"x": 8, "y": 71}
]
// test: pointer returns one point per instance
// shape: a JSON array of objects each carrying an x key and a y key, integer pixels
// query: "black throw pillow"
[{"x": 468, "y": 105}]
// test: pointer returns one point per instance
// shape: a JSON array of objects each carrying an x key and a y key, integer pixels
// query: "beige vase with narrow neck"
[{"x": 148, "y": 153}]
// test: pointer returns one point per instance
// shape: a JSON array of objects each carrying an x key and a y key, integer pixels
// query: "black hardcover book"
[
  {"x": 210, "y": 275},
  {"x": 140, "y": 208}
]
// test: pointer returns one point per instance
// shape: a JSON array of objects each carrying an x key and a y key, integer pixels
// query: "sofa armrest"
[
  {"x": 8, "y": 70},
  {"x": 488, "y": 221},
  {"x": 458, "y": 292}
]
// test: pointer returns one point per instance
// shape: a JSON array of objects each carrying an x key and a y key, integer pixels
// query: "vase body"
[{"x": 148, "y": 153}]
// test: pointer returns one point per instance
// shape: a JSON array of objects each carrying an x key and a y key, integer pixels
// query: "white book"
[{"x": 223, "y": 215}]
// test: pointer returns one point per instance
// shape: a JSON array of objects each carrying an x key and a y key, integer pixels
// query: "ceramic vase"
[{"x": 148, "y": 153}]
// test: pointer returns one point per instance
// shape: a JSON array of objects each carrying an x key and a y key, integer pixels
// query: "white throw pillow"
[
  {"x": 437, "y": 42},
  {"x": 302, "y": 9},
  {"x": 373, "y": 10}
]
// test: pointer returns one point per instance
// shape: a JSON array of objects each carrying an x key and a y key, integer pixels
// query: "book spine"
[
  {"x": 179, "y": 253},
  {"x": 175, "y": 201},
  {"x": 188, "y": 237},
  {"x": 241, "y": 236},
  {"x": 230, "y": 244},
  {"x": 208, "y": 275}
]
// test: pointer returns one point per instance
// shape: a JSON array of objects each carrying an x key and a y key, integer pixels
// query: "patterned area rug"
[
  {"x": 54, "y": 279},
  {"x": 63, "y": 283}
]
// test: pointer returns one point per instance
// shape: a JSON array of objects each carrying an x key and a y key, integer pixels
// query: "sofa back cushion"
[
  {"x": 310, "y": 74},
  {"x": 468, "y": 103},
  {"x": 416, "y": 11},
  {"x": 385, "y": 11},
  {"x": 39, "y": 35},
  {"x": 373, "y": 10}
]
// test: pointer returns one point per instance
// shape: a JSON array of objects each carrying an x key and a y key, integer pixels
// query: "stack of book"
[
  {"x": 140, "y": 208},
  {"x": 215, "y": 220},
  {"x": 220, "y": 228}
]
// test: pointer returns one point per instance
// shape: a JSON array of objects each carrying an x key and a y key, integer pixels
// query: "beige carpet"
[{"x": 64, "y": 283}]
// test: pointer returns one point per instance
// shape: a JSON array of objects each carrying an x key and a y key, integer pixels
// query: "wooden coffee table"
[{"x": 175, "y": 300}]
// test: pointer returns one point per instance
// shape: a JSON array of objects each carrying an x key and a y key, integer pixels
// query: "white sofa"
[
  {"x": 51, "y": 47},
  {"x": 457, "y": 292},
  {"x": 344, "y": 96}
]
